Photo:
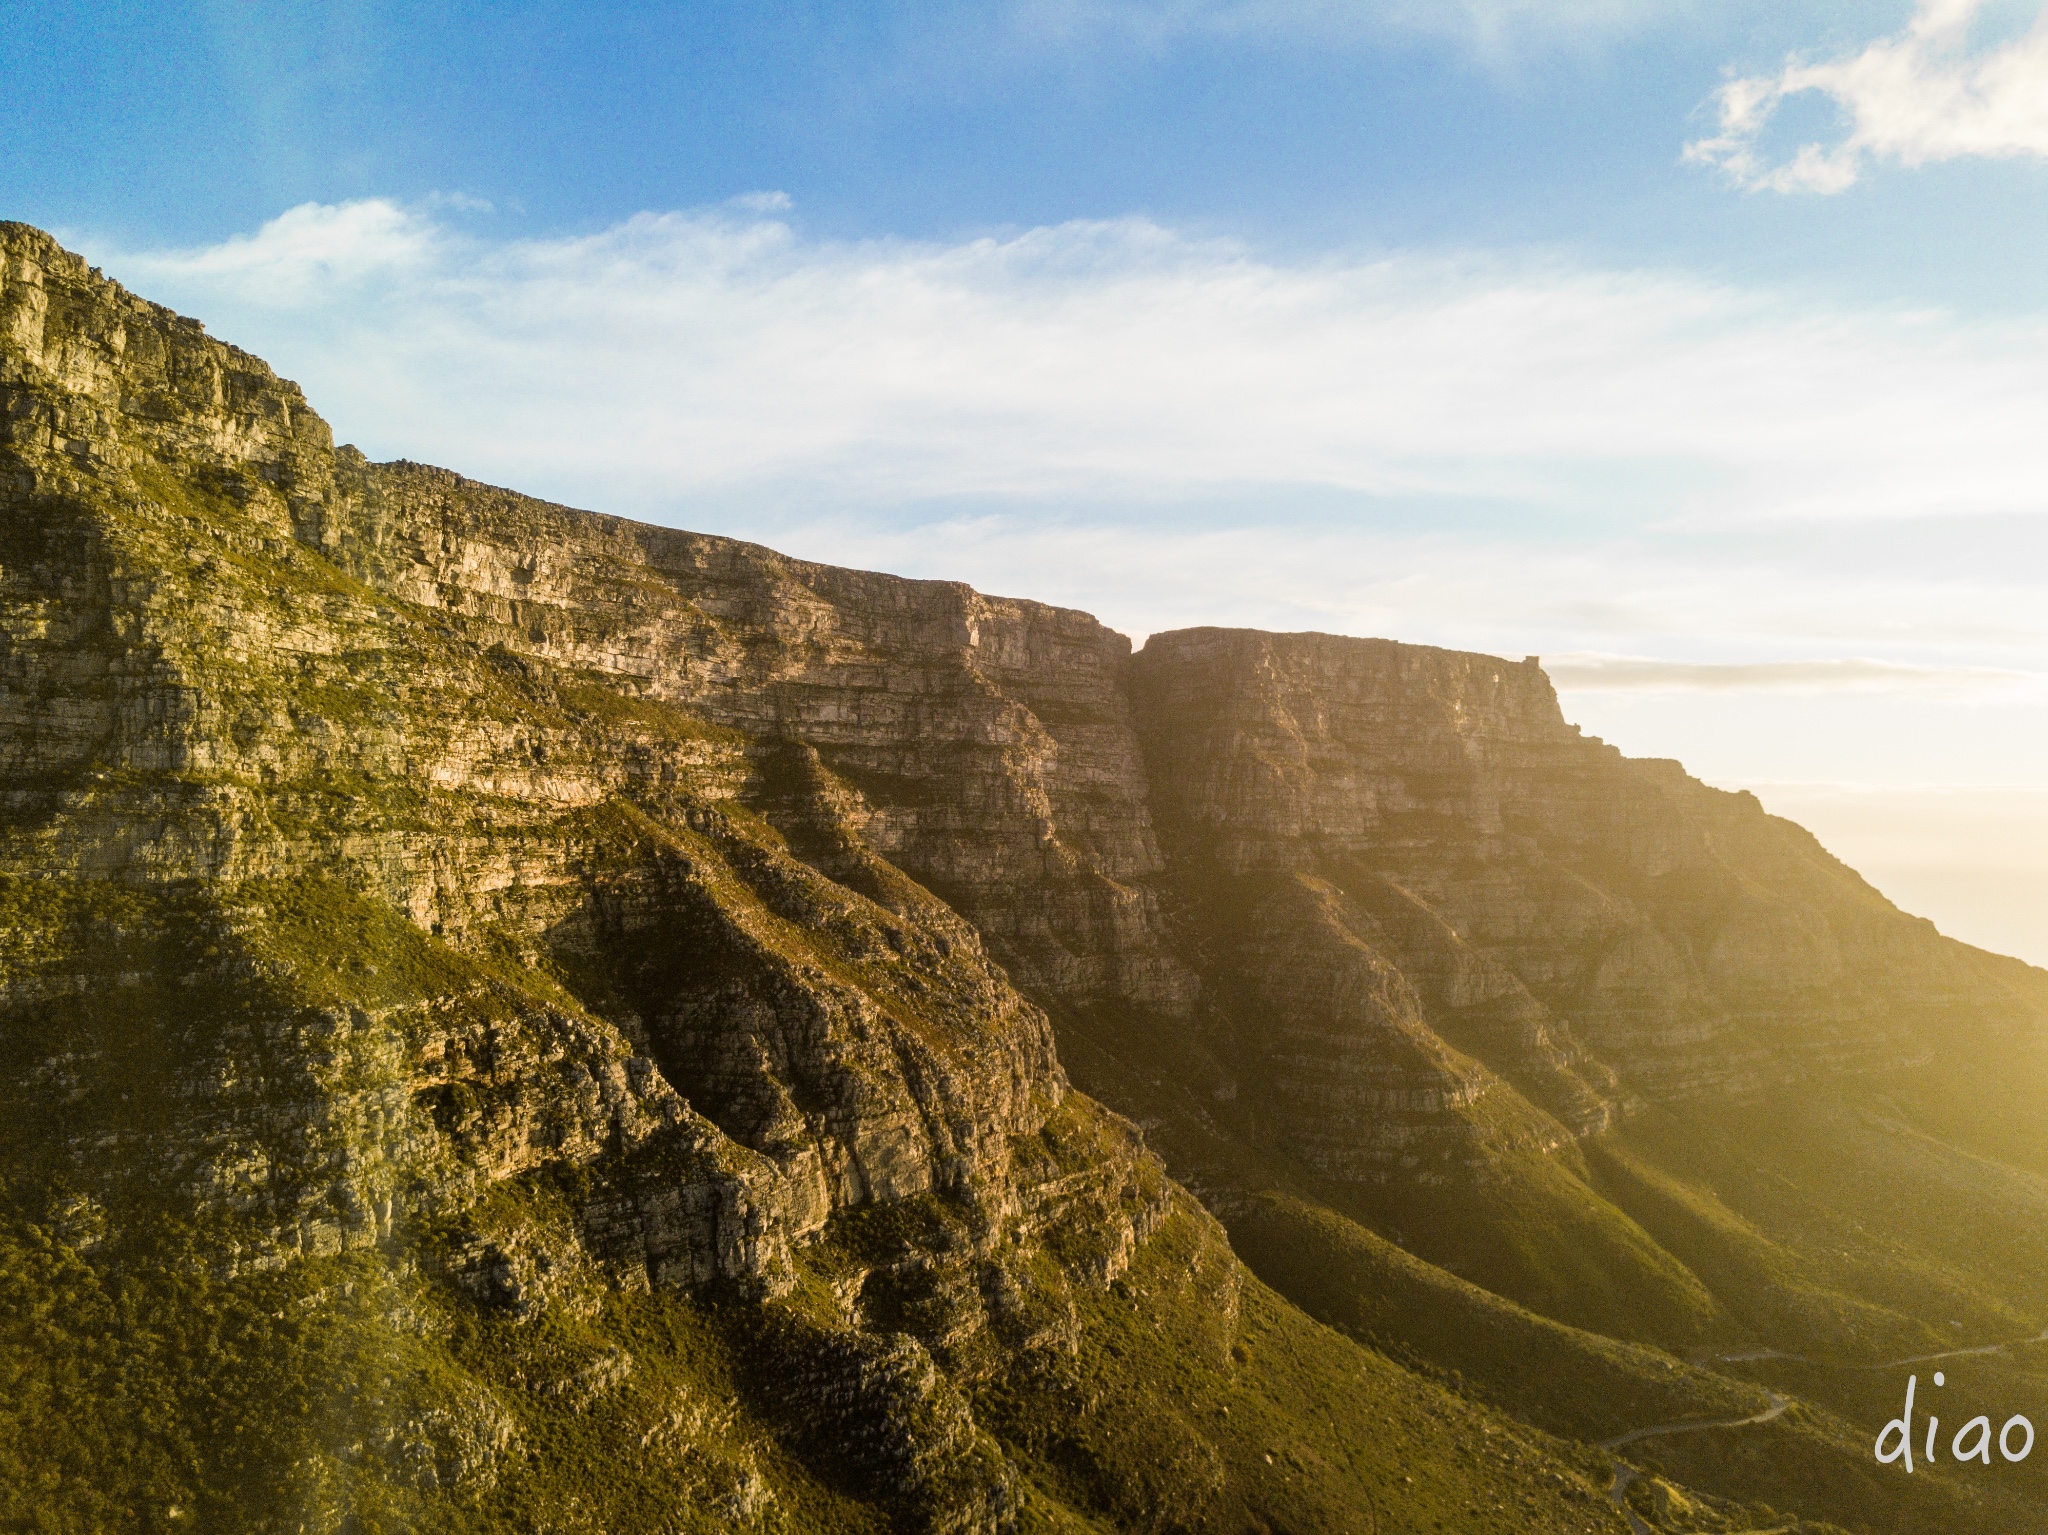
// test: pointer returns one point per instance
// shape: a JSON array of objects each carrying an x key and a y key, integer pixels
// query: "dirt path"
[
  {"x": 1887, "y": 1364},
  {"x": 1779, "y": 1402},
  {"x": 1625, "y": 1474}
]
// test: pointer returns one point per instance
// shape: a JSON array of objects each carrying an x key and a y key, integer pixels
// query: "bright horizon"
[{"x": 1699, "y": 350}]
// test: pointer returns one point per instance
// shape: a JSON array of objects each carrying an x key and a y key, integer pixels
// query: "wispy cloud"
[
  {"x": 1591, "y": 671},
  {"x": 305, "y": 257},
  {"x": 1930, "y": 92},
  {"x": 1576, "y": 600},
  {"x": 1491, "y": 29},
  {"x": 678, "y": 356}
]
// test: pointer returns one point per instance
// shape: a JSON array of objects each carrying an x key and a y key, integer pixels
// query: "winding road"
[
  {"x": 1779, "y": 1402},
  {"x": 1625, "y": 1475},
  {"x": 1887, "y": 1364}
]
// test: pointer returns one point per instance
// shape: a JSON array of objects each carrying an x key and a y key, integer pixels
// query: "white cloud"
[
  {"x": 1930, "y": 92},
  {"x": 682, "y": 356},
  {"x": 301, "y": 257}
]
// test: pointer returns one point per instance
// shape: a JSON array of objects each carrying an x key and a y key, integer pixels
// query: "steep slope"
[
  {"x": 512, "y": 1018},
  {"x": 451, "y": 1083},
  {"x": 1605, "y": 1041},
  {"x": 1426, "y": 905},
  {"x": 1538, "y": 886}
]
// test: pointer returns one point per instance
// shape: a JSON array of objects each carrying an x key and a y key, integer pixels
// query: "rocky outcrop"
[
  {"x": 981, "y": 744},
  {"x": 544, "y": 916},
  {"x": 1402, "y": 886}
]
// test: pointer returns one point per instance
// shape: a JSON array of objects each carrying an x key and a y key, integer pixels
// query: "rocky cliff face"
[
  {"x": 530, "y": 993},
  {"x": 209, "y": 701},
  {"x": 336, "y": 920},
  {"x": 1484, "y": 895},
  {"x": 982, "y": 744}
]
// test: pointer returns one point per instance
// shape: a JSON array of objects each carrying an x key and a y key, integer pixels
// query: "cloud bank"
[
  {"x": 679, "y": 356},
  {"x": 1927, "y": 93}
]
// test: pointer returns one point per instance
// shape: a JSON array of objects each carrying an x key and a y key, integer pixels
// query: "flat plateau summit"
[{"x": 513, "y": 1019}]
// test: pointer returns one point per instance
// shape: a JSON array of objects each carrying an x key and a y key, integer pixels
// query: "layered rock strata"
[
  {"x": 1587, "y": 927},
  {"x": 340, "y": 914},
  {"x": 1442, "y": 893},
  {"x": 458, "y": 917},
  {"x": 982, "y": 744}
]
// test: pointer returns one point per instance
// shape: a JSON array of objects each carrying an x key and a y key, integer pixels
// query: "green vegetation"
[
  {"x": 1564, "y": 1379},
  {"x": 1528, "y": 1228}
]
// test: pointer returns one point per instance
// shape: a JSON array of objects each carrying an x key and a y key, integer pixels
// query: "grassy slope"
[
  {"x": 156, "y": 1399},
  {"x": 1303, "y": 1429},
  {"x": 1858, "y": 1201},
  {"x": 1760, "y": 1207},
  {"x": 1571, "y": 1382},
  {"x": 1531, "y": 1228}
]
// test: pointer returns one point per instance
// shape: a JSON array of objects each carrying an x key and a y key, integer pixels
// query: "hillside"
[{"x": 516, "y": 1019}]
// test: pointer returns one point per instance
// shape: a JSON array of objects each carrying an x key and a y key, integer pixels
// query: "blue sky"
[
  {"x": 1293, "y": 123},
  {"x": 1699, "y": 347}
]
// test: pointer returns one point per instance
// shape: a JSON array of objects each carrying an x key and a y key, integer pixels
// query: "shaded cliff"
[
  {"x": 513, "y": 1018},
  {"x": 1451, "y": 949}
]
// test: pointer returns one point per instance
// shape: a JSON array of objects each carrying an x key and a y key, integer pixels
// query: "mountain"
[{"x": 513, "y": 1019}]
